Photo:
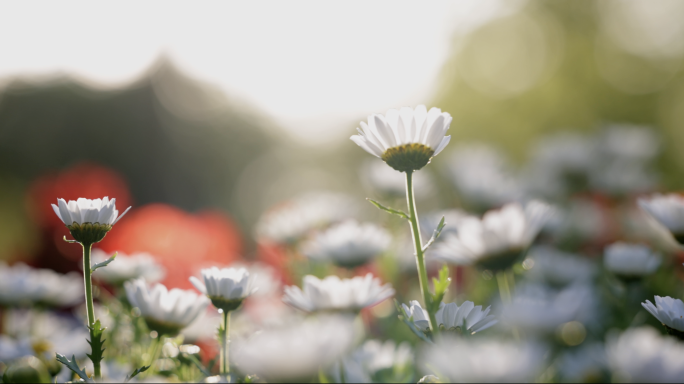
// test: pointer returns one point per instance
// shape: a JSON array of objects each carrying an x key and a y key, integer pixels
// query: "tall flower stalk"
[
  {"x": 88, "y": 222},
  {"x": 418, "y": 247},
  {"x": 227, "y": 288},
  {"x": 407, "y": 139}
]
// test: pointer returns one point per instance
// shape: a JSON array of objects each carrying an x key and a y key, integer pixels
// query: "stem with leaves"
[
  {"x": 87, "y": 277},
  {"x": 418, "y": 246}
]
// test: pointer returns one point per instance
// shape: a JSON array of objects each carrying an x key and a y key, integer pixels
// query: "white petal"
[
  {"x": 435, "y": 133},
  {"x": 198, "y": 284},
  {"x": 366, "y": 145},
  {"x": 64, "y": 210},
  {"x": 122, "y": 215},
  {"x": 442, "y": 145},
  {"x": 386, "y": 134}
]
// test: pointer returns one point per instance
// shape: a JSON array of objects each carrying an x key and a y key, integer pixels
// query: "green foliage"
[
  {"x": 441, "y": 286},
  {"x": 96, "y": 343},
  {"x": 389, "y": 210},
  {"x": 71, "y": 364},
  {"x": 104, "y": 263},
  {"x": 137, "y": 372}
]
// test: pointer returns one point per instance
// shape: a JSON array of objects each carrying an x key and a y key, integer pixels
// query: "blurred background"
[{"x": 204, "y": 117}]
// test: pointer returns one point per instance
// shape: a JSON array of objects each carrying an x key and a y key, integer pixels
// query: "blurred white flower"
[
  {"x": 643, "y": 355},
  {"x": 669, "y": 311},
  {"x": 629, "y": 142},
  {"x": 488, "y": 361},
  {"x": 482, "y": 176},
  {"x": 372, "y": 357},
  {"x": 623, "y": 176},
  {"x": 226, "y": 288},
  {"x": 405, "y": 139},
  {"x": 21, "y": 285},
  {"x": 550, "y": 265},
  {"x": 33, "y": 332},
  {"x": 387, "y": 181},
  {"x": 295, "y": 353},
  {"x": 581, "y": 218},
  {"x": 630, "y": 260},
  {"x": 451, "y": 317},
  {"x": 127, "y": 267},
  {"x": 497, "y": 240},
  {"x": 537, "y": 309},
  {"x": 587, "y": 363},
  {"x": 668, "y": 210},
  {"x": 290, "y": 221},
  {"x": 348, "y": 244},
  {"x": 164, "y": 311},
  {"x": 333, "y": 294},
  {"x": 102, "y": 211}
]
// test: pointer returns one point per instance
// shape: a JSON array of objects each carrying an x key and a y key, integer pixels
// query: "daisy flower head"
[
  {"x": 88, "y": 220},
  {"x": 226, "y": 288},
  {"x": 406, "y": 139},
  {"x": 670, "y": 313},
  {"x": 496, "y": 241},
  {"x": 335, "y": 294}
]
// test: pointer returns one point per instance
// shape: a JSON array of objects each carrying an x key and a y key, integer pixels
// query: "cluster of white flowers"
[
  {"x": 372, "y": 359},
  {"x": 558, "y": 268},
  {"x": 21, "y": 285},
  {"x": 643, "y": 355}
]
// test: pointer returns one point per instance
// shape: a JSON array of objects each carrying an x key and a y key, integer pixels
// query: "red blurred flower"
[
  {"x": 178, "y": 240},
  {"x": 82, "y": 180}
]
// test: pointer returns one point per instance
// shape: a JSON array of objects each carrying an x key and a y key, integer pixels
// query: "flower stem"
[
  {"x": 225, "y": 367},
  {"x": 418, "y": 246},
  {"x": 504, "y": 289},
  {"x": 88, "y": 280}
]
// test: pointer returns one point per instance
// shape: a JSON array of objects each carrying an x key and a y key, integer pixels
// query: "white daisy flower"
[
  {"x": 348, "y": 244},
  {"x": 226, "y": 287},
  {"x": 556, "y": 267},
  {"x": 496, "y": 241},
  {"x": 668, "y": 210},
  {"x": 165, "y": 311},
  {"x": 537, "y": 309},
  {"x": 88, "y": 220},
  {"x": 295, "y": 353},
  {"x": 405, "y": 139},
  {"x": 452, "y": 317},
  {"x": 371, "y": 362},
  {"x": 333, "y": 294},
  {"x": 127, "y": 267},
  {"x": 21, "y": 285},
  {"x": 291, "y": 221},
  {"x": 642, "y": 355},
  {"x": 670, "y": 312},
  {"x": 264, "y": 278},
  {"x": 486, "y": 361},
  {"x": 630, "y": 261}
]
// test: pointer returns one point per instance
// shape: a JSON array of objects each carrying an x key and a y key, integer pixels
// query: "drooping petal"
[
  {"x": 122, "y": 215},
  {"x": 366, "y": 145},
  {"x": 198, "y": 284},
  {"x": 442, "y": 145}
]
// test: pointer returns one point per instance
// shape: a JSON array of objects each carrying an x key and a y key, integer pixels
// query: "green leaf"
[
  {"x": 96, "y": 342},
  {"x": 389, "y": 210},
  {"x": 136, "y": 373},
  {"x": 435, "y": 234},
  {"x": 195, "y": 361},
  {"x": 410, "y": 324},
  {"x": 441, "y": 286},
  {"x": 104, "y": 263},
  {"x": 71, "y": 364}
]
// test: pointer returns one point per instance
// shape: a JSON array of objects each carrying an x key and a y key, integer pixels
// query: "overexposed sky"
[{"x": 314, "y": 66}]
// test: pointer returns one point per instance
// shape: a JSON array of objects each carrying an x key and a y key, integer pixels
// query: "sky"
[{"x": 314, "y": 67}]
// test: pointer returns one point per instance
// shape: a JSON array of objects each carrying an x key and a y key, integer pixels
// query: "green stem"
[
  {"x": 504, "y": 289},
  {"x": 88, "y": 280},
  {"x": 418, "y": 246},
  {"x": 225, "y": 367},
  {"x": 155, "y": 352}
]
